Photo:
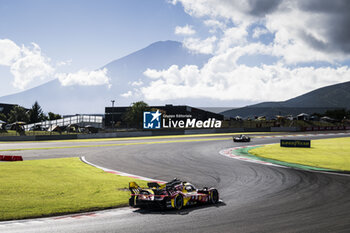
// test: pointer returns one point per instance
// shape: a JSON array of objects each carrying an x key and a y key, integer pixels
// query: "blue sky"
[
  {"x": 68, "y": 29},
  {"x": 262, "y": 50},
  {"x": 90, "y": 33}
]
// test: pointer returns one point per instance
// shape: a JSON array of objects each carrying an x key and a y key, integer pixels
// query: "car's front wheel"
[{"x": 214, "y": 196}]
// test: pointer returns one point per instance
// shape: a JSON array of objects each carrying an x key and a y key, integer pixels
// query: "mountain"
[
  {"x": 127, "y": 72},
  {"x": 216, "y": 109},
  {"x": 319, "y": 100},
  {"x": 52, "y": 96}
]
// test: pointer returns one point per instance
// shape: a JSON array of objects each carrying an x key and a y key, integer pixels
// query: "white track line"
[
  {"x": 119, "y": 173},
  {"x": 228, "y": 153}
]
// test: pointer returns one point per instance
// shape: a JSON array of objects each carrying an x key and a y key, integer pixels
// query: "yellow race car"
[{"x": 175, "y": 194}]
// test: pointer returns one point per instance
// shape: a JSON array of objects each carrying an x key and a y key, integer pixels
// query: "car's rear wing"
[
  {"x": 153, "y": 185},
  {"x": 134, "y": 188}
]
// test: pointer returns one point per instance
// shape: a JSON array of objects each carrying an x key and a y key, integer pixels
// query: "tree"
[
  {"x": 3, "y": 117},
  {"x": 36, "y": 114},
  {"x": 18, "y": 114},
  {"x": 53, "y": 116},
  {"x": 338, "y": 114},
  {"x": 134, "y": 115}
]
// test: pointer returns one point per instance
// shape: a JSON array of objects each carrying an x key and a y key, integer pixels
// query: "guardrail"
[{"x": 80, "y": 120}]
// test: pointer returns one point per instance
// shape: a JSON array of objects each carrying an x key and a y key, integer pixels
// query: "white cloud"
[
  {"x": 235, "y": 10},
  {"x": 215, "y": 25},
  {"x": 85, "y": 78},
  {"x": 259, "y": 31},
  {"x": 197, "y": 45},
  {"x": 136, "y": 83},
  {"x": 303, "y": 32},
  {"x": 235, "y": 82},
  {"x": 9, "y": 52},
  {"x": 127, "y": 94},
  {"x": 185, "y": 30},
  {"x": 27, "y": 64},
  {"x": 152, "y": 73},
  {"x": 300, "y": 33},
  {"x": 30, "y": 66},
  {"x": 233, "y": 36},
  {"x": 64, "y": 63}
]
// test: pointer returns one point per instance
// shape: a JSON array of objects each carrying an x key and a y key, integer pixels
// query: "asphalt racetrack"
[{"x": 255, "y": 197}]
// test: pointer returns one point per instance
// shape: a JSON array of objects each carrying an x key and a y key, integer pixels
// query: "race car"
[
  {"x": 241, "y": 138},
  {"x": 172, "y": 195}
]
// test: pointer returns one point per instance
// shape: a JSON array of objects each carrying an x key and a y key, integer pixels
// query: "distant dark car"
[{"x": 241, "y": 138}]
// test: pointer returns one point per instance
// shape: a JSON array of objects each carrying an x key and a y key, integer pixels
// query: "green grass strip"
[
  {"x": 324, "y": 154},
  {"x": 245, "y": 153},
  {"x": 39, "y": 188}
]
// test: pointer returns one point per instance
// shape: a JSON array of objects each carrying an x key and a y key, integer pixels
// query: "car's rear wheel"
[
  {"x": 132, "y": 201},
  {"x": 178, "y": 202},
  {"x": 214, "y": 196}
]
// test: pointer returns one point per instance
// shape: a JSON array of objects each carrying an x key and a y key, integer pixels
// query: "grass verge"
[
  {"x": 39, "y": 188},
  {"x": 331, "y": 154}
]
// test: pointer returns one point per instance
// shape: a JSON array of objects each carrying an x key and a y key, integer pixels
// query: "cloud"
[
  {"x": 302, "y": 32},
  {"x": 239, "y": 82},
  {"x": 152, "y": 73},
  {"x": 215, "y": 25},
  {"x": 333, "y": 24},
  {"x": 185, "y": 30},
  {"x": 299, "y": 27},
  {"x": 236, "y": 10},
  {"x": 232, "y": 37},
  {"x": 64, "y": 63},
  {"x": 29, "y": 66},
  {"x": 85, "y": 78},
  {"x": 136, "y": 83},
  {"x": 197, "y": 45},
  {"x": 261, "y": 8},
  {"x": 9, "y": 52},
  {"x": 240, "y": 12},
  {"x": 259, "y": 31},
  {"x": 305, "y": 36},
  {"x": 126, "y": 94}
]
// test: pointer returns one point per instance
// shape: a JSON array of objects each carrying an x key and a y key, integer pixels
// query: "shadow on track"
[{"x": 186, "y": 210}]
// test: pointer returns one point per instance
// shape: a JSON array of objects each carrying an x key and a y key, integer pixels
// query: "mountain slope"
[
  {"x": 123, "y": 72},
  {"x": 319, "y": 100}
]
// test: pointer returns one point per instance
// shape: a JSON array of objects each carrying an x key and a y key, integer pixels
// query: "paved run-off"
[{"x": 332, "y": 154}]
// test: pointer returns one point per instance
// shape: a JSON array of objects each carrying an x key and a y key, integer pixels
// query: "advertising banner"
[{"x": 295, "y": 143}]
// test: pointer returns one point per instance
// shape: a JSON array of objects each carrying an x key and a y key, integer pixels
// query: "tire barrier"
[{"x": 10, "y": 158}]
